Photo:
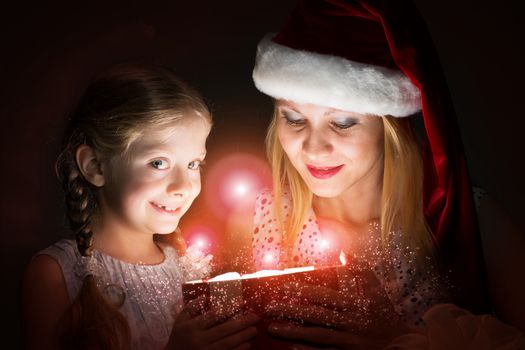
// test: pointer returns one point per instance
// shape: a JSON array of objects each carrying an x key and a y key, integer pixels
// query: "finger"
[
  {"x": 369, "y": 282},
  {"x": 317, "y": 335},
  {"x": 243, "y": 346},
  {"x": 319, "y": 295},
  {"x": 232, "y": 326},
  {"x": 305, "y": 347},
  {"x": 216, "y": 315},
  {"x": 236, "y": 339},
  {"x": 309, "y": 313},
  {"x": 206, "y": 320}
]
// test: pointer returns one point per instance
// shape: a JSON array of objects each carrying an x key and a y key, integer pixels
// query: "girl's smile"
[{"x": 165, "y": 210}]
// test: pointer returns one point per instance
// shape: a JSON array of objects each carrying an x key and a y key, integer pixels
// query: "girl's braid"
[{"x": 80, "y": 201}]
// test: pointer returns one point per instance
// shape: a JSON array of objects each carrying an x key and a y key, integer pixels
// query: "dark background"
[{"x": 50, "y": 51}]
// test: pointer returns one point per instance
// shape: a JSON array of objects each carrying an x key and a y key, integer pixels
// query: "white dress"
[
  {"x": 410, "y": 287},
  {"x": 152, "y": 293}
]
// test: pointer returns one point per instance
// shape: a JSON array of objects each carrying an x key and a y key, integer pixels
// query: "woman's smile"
[{"x": 323, "y": 172}]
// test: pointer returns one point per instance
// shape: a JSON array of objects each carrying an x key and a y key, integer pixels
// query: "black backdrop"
[{"x": 48, "y": 52}]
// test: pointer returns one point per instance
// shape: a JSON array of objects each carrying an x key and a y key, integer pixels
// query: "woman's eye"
[
  {"x": 159, "y": 164},
  {"x": 195, "y": 164},
  {"x": 344, "y": 124},
  {"x": 292, "y": 119},
  {"x": 294, "y": 122}
]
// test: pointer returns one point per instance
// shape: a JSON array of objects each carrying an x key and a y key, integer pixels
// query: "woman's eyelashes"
[
  {"x": 292, "y": 118},
  {"x": 295, "y": 119},
  {"x": 344, "y": 123}
]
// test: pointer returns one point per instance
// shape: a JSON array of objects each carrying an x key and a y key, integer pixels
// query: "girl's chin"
[
  {"x": 164, "y": 233},
  {"x": 165, "y": 229}
]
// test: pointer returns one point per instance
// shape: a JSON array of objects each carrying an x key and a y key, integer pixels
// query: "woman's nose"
[
  {"x": 179, "y": 183},
  {"x": 317, "y": 144}
]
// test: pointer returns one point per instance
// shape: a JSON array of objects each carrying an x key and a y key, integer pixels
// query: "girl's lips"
[
  {"x": 324, "y": 173},
  {"x": 164, "y": 210}
]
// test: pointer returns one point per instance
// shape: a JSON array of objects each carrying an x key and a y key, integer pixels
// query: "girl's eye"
[
  {"x": 159, "y": 164},
  {"x": 195, "y": 164}
]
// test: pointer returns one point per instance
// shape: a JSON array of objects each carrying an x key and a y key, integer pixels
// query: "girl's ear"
[{"x": 90, "y": 166}]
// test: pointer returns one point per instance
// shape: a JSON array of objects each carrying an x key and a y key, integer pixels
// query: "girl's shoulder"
[
  {"x": 45, "y": 290},
  {"x": 64, "y": 252},
  {"x": 64, "y": 249}
]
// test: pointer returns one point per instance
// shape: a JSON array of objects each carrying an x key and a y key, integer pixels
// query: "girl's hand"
[
  {"x": 215, "y": 329},
  {"x": 342, "y": 319}
]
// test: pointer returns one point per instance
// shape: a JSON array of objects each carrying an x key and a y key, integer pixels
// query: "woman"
[{"x": 347, "y": 77}]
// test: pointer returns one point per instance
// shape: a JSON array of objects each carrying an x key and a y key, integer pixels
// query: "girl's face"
[
  {"x": 149, "y": 189},
  {"x": 334, "y": 151}
]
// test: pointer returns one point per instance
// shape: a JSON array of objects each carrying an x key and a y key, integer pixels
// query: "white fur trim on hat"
[{"x": 307, "y": 77}]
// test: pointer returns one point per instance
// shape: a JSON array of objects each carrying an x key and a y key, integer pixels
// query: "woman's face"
[{"x": 334, "y": 151}]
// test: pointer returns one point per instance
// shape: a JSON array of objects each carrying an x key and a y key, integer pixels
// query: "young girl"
[
  {"x": 348, "y": 176},
  {"x": 130, "y": 168}
]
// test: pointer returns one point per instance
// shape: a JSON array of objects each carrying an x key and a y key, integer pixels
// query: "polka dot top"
[
  {"x": 267, "y": 237},
  {"x": 411, "y": 288}
]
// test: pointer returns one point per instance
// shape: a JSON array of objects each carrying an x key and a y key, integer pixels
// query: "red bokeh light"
[
  {"x": 234, "y": 181},
  {"x": 202, "y": 236}
]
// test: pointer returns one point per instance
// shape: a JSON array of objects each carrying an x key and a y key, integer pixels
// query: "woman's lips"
[
  {"x": 324, "y": 172},
  {"x": 165, "y": 210}
]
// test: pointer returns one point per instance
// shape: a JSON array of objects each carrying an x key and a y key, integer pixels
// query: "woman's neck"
[
  {"x": 349, "y": 220},
  {"x": 355, "y": 207}
]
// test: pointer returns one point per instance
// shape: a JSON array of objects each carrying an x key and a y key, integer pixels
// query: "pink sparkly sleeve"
[{"x": 413, "y": 285}]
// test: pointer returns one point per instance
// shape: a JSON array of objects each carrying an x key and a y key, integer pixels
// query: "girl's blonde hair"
[
  {"x": 401, "y": 200},
  {"x": 115, "y": 110}
]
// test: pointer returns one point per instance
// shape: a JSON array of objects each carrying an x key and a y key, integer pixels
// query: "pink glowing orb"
[
  {"x": 200, "y": 236},
  {"x": 234, "y": 181},
  {"x": 268, "y": 258},
  {"x": 325, "y": 244}
]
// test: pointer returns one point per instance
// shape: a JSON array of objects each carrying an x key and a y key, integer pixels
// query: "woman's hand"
[
  {"x": 214, "y": 329},
  {"x": 359, "y": 314}
]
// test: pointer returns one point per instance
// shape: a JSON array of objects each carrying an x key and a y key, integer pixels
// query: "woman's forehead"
[{"x": 307, "y": 108}]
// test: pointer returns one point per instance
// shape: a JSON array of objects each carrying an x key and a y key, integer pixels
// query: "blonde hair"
[
  {"x": 401, "y": 200},
  {"x": 115, "y": 110}
]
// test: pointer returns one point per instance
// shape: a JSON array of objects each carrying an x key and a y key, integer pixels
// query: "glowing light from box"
[
  {"x": 230, "y": 276},
  {"x": 342, "y": 258}
]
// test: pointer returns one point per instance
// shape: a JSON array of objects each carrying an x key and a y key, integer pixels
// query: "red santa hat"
[
  {"x": 329, "y": 55},
  {"x": 376, "y": 57}
]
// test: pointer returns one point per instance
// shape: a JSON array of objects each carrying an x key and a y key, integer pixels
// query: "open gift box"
[{"x": 254, "y": 291}]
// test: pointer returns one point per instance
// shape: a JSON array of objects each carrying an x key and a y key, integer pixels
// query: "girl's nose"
[{"x": 180, "y": 183}]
